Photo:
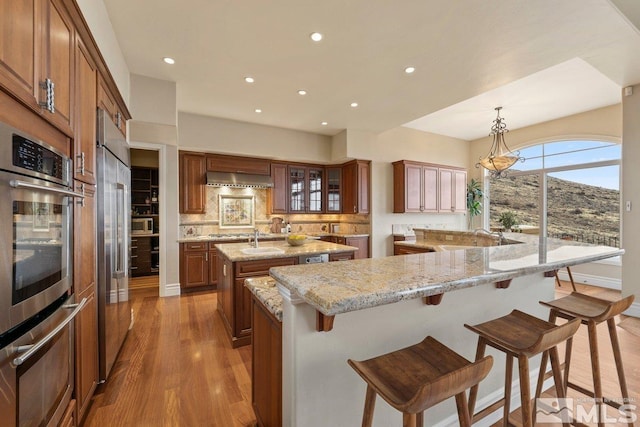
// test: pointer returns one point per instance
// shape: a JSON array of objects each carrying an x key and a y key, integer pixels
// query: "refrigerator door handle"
[{"x": 121, "y": 230}]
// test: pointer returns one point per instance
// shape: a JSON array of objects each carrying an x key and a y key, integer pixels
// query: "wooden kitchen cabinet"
[
  {"x": 278, "y": 194},
  {"x": 266, "y": 366},
  {"x": 84, "y": 147},
  {"x": 193, "y": 176},
  {"x": 428, "y": 188},
  {"x": 39, "y": 50},
  {"x": 453, "y": 190},
  {"x": 333, "y": 190},
  {"x": 360, "y": 242},
  {"x": 194, "y": 265},
  {"x": 234, "y": 299},
  {"x": 355, "y": 187},
  {"x": 415, "y": 187},
  {"x": 305, "y": 189},
  {"x": 213, "y": 265},
  {"x": 405, "y": 250},
  {"x": 106, "y": 101},
  {"x": 84, "y": 283},
  {"x": 237, "y": 164}
]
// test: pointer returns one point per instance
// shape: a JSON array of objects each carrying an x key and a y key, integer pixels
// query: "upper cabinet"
[
  {"x": 37, "y": 57},
  {"x": 85, "y": 122},
  {"x": 305, "y": 189},
  {"x": 107, "y": 102},
  {"x": 355, "y": 187},
  {"x": 278, "y": 195},
  {"x": 193, "y": 172},
  {"x": 423, "y": 187},
  {"x": 333, "y": 189},
  {"x": 235, "y": 164}
]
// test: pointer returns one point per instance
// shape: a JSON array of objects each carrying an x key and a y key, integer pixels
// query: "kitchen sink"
[{"x": 262, "y": 251}]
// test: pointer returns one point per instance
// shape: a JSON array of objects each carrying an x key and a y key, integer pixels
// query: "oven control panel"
[{"x": 35, "y": 157}]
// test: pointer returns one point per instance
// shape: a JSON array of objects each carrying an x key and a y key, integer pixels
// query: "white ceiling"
[{"x": 540, "y": 59}]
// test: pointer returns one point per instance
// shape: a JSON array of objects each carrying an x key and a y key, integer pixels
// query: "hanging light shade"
[{"x": 500, "y": 157}]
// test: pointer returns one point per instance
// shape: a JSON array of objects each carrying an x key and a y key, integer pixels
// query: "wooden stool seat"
[
  {"x": 520, "y": 336},
  {"x": 415, "y": 378},
  {"x": 590, "y": 311}
]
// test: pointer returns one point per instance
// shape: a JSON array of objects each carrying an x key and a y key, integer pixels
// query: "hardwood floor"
[{"x": 177, "y": 367}]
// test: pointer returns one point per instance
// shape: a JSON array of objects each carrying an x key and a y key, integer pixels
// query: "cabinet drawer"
[
  {"x": 261, "y": 267},
  {"x": 196, "y": 246}
]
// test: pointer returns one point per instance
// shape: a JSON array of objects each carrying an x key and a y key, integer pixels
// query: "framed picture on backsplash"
[{"x": 236, "y": 211}]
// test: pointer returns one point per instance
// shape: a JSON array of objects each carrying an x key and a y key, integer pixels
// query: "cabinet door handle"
[
  {"x": 118, "y": 119},
  {"x": 81, "y": 158},
  {"x": 354, "y": 209},
  {"x": 81, "y": 201},
  {"x": 49, "y": 102},
  {"x": 206, "y": 256}
]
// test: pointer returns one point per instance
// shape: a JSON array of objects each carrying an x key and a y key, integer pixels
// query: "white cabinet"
[{"x": 427, "y": 188}]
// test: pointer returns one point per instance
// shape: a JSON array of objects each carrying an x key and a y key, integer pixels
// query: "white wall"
[
  {"x": 631, "y": 192},
  {"x": 403, "y": 144},
  {"x": 212, "y": 134},
  {"x": 95, "y": 13},
  {"x": 160, "y": 108}
]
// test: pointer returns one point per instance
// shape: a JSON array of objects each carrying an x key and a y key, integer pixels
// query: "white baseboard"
[
  {"x": 171, "y": 290},
  {"x": 589, "y": 279},
  {"x": 495, "y": 416},
  {"x": 634, "y": 310}
]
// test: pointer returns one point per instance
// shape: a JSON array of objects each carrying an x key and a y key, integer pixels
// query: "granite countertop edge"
[
  {"x": 209, "y": 238},
  {"x": 265, "y": 290},
  {"x": 324, "y": 289}
]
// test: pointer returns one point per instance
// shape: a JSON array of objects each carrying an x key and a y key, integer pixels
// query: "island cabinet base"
[
  {"x": 266, "y": 366},
  {"x": 316, "y": 378},
  {"x": 234, "y": 299}
]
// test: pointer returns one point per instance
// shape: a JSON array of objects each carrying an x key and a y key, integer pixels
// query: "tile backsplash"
[{"x": 208, "y": 223}]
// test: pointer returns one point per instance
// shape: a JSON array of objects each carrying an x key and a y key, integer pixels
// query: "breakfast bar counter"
[{"x": 383, "y": 304}]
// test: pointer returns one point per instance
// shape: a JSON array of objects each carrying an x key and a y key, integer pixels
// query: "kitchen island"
[
  {"x": 239, "y": 261},
  {"x": 384, "y": 304}
]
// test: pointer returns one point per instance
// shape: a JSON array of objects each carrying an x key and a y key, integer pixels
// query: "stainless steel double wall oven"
[{"x": 36, "y": 303}]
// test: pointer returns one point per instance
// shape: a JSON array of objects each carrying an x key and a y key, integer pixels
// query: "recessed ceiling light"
[
  {"x": 249, "y": 79},
  {"x": 354, "y": 104},
  {"x": 168, "y": 60},
  {"x": 258, "y": 110},
  {"x": 409, "y": 70},
  {"x": 316, "y": 37},
  {"x": 302, "y": 92},
  {"x": 324, "y": 123}
]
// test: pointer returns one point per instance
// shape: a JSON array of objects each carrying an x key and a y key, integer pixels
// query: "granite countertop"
[
  {"x": 230, "y": 237},
  {"x": 335, "y": 288},
  {"x": 323, "y": 234},
  {"x": 233, "y": 251},
  {"x": 264, "y": 288}
]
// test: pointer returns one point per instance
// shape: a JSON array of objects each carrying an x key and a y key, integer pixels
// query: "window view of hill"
[{"x": 576, "y": 211}]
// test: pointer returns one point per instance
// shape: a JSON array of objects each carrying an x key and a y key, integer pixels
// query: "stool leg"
[
  {"x": 595, "y": 368},
  {"x": 567, "y": 363},
  {"x": 473, "y": 394},
  {"x": 463, "y": 412},
  {"x": 408, "y": 420},
  {"x": 369, "y": 406},
  {"x": 573, "y": 284},
  {"x": 508, "y": 377},
  {"x": 420, "y": 419},
  {"x": 615, "y": 344},
  {"x": 542, "y": 373},
  {"x": 525, "y": 394},
  {"x": 557, "y": 375}
]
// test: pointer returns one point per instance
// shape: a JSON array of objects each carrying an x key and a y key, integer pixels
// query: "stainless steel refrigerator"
[{"x": 114, "y": 207}]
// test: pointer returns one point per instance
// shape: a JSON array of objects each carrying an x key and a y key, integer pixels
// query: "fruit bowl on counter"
[{"x": 296, "y": 239}]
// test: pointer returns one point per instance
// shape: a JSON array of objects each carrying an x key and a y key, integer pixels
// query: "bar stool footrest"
[{"x": 605, "y": 400}]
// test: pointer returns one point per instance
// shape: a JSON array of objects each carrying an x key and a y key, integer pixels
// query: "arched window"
[{"x": 568, "y": 189}]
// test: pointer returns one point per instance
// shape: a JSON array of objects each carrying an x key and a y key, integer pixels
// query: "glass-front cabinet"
[
  {"x": 305, "y": 189},
  {"x": 334, "y": 178}
]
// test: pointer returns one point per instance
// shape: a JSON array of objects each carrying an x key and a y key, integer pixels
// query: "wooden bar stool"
[
  {"x": 590, "y": 311},
  {"x": 520, "y": 336},
  {"x": 415, "y": 378}
]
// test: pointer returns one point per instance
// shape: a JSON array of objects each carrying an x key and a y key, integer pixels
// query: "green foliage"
[
  {"x": 474, "y": 198},
  {"x": 508, "y": 219}
]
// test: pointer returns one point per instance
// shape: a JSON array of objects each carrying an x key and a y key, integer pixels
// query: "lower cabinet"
[
  {"x": 266, "y": 366},
  {"x": 234, "y": 299},
  {"x": 194, "y": 265},
  {"x": 360, "y": 242},
  {"x": 86, "y": 351}
]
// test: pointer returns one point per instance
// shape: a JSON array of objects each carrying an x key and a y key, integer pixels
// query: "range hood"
[{"x": 241, "y": 180}]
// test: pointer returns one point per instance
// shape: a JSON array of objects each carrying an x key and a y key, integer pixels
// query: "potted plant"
[
  {"x": 508, "y": 220},
  {"x": 474, "y": 199}
]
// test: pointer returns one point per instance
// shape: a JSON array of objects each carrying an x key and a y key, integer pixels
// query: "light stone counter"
[
  {"x": 233, "y": 251},
  {"x": 336, "y": 288},
  {"x": 264, "y": 288}
]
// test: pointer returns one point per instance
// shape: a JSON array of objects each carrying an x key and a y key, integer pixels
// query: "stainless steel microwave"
[{"x": 141, "y": 225}]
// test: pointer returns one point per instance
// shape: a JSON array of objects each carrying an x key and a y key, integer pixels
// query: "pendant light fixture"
[{"x": 500, "y": 157}]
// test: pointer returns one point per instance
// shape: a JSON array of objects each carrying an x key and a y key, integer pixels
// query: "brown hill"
[{"x": 575, "y": 211}]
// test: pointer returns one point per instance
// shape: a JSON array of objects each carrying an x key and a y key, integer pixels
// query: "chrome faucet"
[{"x": 256, "y": 233}]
